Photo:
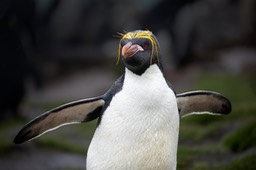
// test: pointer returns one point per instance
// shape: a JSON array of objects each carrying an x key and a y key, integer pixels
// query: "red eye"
[{"x": 145, "y": 46}]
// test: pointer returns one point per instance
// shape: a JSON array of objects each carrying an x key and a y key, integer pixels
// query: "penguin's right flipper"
[
  {"x": 202, "y": 102},
  {"x": 70, "y": 113}
]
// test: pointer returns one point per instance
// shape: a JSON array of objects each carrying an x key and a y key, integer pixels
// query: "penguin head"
[{"x": 138, "y": 50}]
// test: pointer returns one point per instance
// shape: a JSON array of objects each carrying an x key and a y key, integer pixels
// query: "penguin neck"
[
  {"x": 153, "y": 72},
  {"x": 150, "y": 83}
]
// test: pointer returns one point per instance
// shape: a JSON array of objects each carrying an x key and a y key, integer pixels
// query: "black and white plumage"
[{"x": 138, "y": 116}]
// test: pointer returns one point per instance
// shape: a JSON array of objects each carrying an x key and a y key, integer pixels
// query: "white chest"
[{"x": 139, "y": 129}]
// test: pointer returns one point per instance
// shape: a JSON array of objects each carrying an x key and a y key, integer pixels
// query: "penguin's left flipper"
[
  {"x": 202, "y": 102},
  {"x": 70, "y": 113}
]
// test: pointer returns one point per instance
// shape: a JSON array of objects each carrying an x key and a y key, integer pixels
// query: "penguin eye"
[{"x": 145, "y": 46}]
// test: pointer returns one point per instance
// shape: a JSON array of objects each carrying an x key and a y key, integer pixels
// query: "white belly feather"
[{"x": 139, "y": 129}]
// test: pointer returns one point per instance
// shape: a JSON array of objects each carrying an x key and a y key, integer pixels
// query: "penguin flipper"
[
  {"x": 75, "y": 112},
  {"x": 202, "y": 102}
]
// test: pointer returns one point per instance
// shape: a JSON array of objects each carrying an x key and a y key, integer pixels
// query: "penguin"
[{"x": 138, "y": 117}]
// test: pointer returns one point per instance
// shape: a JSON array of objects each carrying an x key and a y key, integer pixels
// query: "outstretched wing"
[
  {"x": 70, "y": 113},
  {"x": 202, "y": 102}
]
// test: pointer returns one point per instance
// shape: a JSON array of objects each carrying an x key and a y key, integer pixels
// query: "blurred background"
[{"x": 57, "y": 51}]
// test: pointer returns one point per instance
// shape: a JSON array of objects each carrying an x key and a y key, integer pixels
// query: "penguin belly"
[{"x": 139, "y": 129}]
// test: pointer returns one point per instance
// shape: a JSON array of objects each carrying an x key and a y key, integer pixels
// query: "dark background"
[{"x": 56, "y": 51}]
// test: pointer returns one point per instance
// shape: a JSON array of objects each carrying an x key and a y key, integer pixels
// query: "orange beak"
[{"x": 130, "y": 49}]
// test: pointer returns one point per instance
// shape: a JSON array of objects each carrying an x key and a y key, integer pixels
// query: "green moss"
[
  {"x": 247, "y": 162},
  {"x": 88, "y": 128},
  {"x": 192, "y": 131},
  {"x": 187, "y": 155},
  {"x": 5, "y": 145},
  {"x": 58, "y": 144},
  {"x": 70, "y": 138},
  {"x": 188, "y": 132},
  {"x": 6, "y": 125},
  {"x": 237, "y": 89},
  {"x": 204, "y": 166},
  {"x": 242, "y": 139},
  {"x": 7, "y": 134},
  {"x": 202, "y": 119},
  {"x": 243, "y": 111}
]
